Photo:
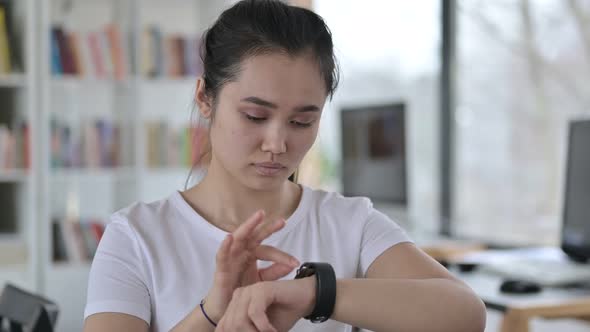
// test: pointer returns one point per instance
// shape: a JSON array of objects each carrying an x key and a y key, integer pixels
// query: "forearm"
[
  {"x": 408, "y": 305},
  {"x": 194, "y": 322}
]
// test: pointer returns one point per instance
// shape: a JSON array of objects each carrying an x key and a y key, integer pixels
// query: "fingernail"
[{"x": 295, "y": 262}]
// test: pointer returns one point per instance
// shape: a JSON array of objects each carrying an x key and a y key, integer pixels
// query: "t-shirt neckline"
[{"x": 217, "y": 233}]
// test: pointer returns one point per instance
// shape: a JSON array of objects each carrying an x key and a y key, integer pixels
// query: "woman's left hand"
[{"x": 269, "y": 306}]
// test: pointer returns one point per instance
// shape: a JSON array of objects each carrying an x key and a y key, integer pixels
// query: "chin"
[{"x": 261, "y": 183}]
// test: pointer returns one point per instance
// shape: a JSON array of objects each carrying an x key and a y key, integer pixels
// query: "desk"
[
  {"x": 445, "y": 249},
  {"x": 519, "y": 309},
  {"x": 551, "y": 303}
]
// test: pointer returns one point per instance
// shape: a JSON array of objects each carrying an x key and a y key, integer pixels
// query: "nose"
[{"x": 275, "y": 140}]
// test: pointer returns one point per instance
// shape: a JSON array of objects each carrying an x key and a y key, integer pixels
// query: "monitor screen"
[
  {"x": 576, "y": 213},
  {"x": 374, "y": 152}
]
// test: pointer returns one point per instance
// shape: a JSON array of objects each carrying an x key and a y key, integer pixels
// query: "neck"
[{"x": 226, "y": 203}]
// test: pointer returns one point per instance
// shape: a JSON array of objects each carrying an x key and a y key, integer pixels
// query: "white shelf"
[
  {"x": 75, "y": 80},
  {"x": 71, "y": 267},
  {"x": 13, "y": 251},
  {"x": 64, "y": 174},
  {"x": 13, "y": 175},
  {"x": 71, "y": 81},
  {"x": 79, "y": 99},
  {"x": 165, "y": 171},
  {"x": 168, "y": 81},
  {"x": 13, "y": 81}
]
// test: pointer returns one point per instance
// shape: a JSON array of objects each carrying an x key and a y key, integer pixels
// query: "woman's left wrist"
[{"x": 309, "y": 284}]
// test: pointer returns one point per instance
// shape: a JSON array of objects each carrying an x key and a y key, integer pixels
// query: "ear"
[{"x": 203, "y": 101}]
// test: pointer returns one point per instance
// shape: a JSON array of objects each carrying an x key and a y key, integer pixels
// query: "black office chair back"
[{"x": 21, "y": 311}]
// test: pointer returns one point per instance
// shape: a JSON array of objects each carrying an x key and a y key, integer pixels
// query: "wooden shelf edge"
[
  {"x": 13, "y": 251},
  {"x": 13, "y": 80}
]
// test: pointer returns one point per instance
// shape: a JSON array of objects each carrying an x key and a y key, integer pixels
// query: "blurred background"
[{"x": 451, "y": 115}]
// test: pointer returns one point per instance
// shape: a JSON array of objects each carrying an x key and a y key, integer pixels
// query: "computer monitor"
[
  {"x": 575, "y": 235},
  {"x": 374, "y": 152}
]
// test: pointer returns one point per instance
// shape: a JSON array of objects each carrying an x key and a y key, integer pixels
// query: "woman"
[{"x": 191, "y": 262}]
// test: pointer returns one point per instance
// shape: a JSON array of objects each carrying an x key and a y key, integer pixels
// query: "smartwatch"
[{"x": 325, "y": 298}]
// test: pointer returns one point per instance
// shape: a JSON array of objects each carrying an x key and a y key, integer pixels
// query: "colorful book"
[
  {"x": 116, "y": 51},
  {"x": 65, "y": 52},
  {"x": 173, "y": 148},
  {"x": 158, "y": 52},
  {"x": 90, "y": 242},
  {"x": 151, "y": 139},
  {"x": 192, "y": 57},
  {"x": 26, "y": 147},
  {"x": 106, "y": 143},
  {"x": 18, "y": 145},
  {"x": 96, "y": 54},
  {"x": 184, "y": 147},
  {"x": 115, "y": 148},
  {"x": 147, "y": 56},
  {"x": 176, "y": 61},
  {"x": 55, "y": 143},
  {"x": 85, "y": 54},
  {"x": 97, "y": 230},
  {"x": 162, "y": 144},
  {"x": 65, "y": 148},
  {"x": 73, "y": 245},
  {"x": 13, "y": 41},
  {"x": 106, "y": 54},
  {"x": 7, "y": 148},
  {"x": 90, "y": 138},
  {"x": 59, "y": 248},
  {"x": 56, "y": 67},
  {"x": 74, "y": 44},
  {"x": 5, "y": 52}
]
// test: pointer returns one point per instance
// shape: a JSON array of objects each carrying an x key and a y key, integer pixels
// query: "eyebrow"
[{"x": 268, "y": 104}]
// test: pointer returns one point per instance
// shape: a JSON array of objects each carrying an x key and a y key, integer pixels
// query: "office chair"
[{"x": 21, "y": 311}]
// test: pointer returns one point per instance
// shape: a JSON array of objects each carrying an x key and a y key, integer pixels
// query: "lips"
[{"x": 269, "y": 169}]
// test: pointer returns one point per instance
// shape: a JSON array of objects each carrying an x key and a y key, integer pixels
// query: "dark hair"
[{"x": 256, "y": 27}]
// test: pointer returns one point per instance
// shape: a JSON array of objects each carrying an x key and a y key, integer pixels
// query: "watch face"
[
  {"x": 320, "y": 319},
  {"x": 305, "y": 271}
]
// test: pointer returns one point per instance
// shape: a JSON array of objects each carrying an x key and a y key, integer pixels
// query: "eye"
[
  {"x": 302, "y": 124},
  {"x": 254, "y": 118}
]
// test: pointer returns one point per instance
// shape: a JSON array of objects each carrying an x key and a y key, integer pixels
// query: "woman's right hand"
[{"x": 236, "y": 262}]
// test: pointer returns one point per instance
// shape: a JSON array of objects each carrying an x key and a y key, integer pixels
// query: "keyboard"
[{"x": 544, "y": 272}]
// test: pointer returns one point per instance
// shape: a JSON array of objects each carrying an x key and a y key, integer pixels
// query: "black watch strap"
[{"x": 325, "y": 289}]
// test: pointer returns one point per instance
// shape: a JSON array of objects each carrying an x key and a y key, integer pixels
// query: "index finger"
[
  {"x": 246, "y": 228},
  {"x": 264, "y": 231}
]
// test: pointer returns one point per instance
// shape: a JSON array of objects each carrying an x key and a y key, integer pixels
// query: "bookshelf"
[
  {"x": 95, "y": 106},
  {"x": 89, "y": 159},
  {"x": 18, "y": 181},
  {"x": 14, "y": 175},
  {"x": 86, "y": 149},
  {"x": 13, "y": 81}
]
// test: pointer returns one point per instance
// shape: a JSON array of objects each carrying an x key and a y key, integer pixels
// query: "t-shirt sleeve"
[
  {"x": 379, "y": 234},
  {"x": 116, "y": 282}
]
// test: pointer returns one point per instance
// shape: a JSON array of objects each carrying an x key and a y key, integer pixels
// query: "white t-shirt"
[{"x": 156, "y": 261}]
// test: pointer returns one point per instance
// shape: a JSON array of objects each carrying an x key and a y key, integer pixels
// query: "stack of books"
[
  {"x": 75, "y": 240},
  {"x": 171, "y": 56},
  {"x": 99, "y": 54},
  {"x": 171, "y": 147},
  {"x": 108, "y": 53},
  {"x": 93, "y": 144},
  {"x": 15, "y": 145},
  {"x": 9, "y": 57}
]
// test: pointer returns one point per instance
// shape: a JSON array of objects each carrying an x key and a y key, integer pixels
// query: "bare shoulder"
[{"x": 114, "y": 321}]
